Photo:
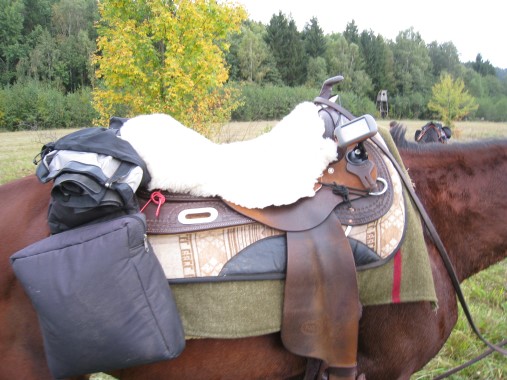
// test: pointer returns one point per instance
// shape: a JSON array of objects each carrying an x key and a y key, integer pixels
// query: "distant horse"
[
  {"x": 433, "y": 132},
  {"x": 462, "y": 188}
]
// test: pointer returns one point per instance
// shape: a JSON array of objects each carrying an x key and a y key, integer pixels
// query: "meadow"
[{"x": 485, "y": 292}]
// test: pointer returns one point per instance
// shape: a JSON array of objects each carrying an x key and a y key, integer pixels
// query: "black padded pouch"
[{"x": 101, "y": 297}]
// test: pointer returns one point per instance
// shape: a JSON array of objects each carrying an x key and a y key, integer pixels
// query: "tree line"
[
  {"x": 48, "y": 77},
  {"x": 408, "y": 67}
]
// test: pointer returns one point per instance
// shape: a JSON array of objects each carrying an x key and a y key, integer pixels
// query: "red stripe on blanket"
[{"x": 395, "y": 293}]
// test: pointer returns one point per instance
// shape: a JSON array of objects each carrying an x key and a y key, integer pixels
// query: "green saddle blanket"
[{"x": 235, "y": 309}]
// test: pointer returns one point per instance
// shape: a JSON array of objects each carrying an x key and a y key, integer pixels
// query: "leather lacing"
[{"x": 344, "y": 192}]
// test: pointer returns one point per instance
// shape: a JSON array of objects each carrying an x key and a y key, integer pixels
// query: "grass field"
[{"x": 485, "y": 292}]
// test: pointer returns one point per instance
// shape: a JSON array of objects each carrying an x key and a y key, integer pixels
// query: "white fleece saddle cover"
[{"x": 276, "y": 168}]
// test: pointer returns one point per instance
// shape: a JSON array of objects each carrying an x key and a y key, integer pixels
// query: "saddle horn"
[{"x": 327, "y": 86}]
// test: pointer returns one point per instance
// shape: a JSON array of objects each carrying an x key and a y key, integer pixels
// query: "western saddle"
[{"x": 321, "y": 309}]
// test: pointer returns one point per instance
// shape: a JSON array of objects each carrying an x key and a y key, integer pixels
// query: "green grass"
[
  {"x": 486, "y": 295},
  {"x": 485, "y": 292},
  {"x": 18, "y": 149}
]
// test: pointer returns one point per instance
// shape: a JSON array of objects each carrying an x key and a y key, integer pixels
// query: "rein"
[
  {"x": 441, "y": 248},
  {"x": 469, "y": 363}
]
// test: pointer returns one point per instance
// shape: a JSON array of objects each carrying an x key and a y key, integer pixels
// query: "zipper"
[{"x": 145, "y": 235}]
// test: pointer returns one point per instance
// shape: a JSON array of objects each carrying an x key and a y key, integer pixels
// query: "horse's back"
[{"x": 24, "y": 203}]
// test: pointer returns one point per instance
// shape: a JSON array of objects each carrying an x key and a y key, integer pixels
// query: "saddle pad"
[
  {"x": 247, "y": 308},
  {"x": 204, "y": 253}
]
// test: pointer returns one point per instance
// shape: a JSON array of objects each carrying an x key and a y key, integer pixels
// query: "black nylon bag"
[
  {"x": 82, "y": 192},
  {"x": 101, "y": 297}
]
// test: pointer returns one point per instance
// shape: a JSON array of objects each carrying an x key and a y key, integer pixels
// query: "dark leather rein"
[{"x": 469, "y": 363}]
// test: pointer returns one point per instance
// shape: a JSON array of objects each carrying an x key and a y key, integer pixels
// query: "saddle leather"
[
  {"x": 321, "y": 302},
  {"x": 165, "y": 219},
  {"x": 370, "y": 208}
]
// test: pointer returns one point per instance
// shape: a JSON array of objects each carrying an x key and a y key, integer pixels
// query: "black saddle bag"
[{"x": 101, "y": 297}]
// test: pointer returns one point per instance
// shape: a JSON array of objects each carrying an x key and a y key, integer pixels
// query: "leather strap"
[
  {"x": 335, "y": 106},
  {"x": 439, "y": 244},
  {"x": 321, "y": 303}
]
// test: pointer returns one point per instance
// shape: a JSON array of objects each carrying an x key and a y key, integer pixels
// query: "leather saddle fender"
[
  {"x": 321, "y": 301},
  {"x": 321, "y": 309}
]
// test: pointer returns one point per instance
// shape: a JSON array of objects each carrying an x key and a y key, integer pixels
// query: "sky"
[{"x": 473, "y": 27}]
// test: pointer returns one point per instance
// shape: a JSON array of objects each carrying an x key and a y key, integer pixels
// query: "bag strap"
[{"x": 122, "y": 188}]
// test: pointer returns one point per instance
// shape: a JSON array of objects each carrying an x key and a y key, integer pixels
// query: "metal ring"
[{"x": 384, "y": 189}]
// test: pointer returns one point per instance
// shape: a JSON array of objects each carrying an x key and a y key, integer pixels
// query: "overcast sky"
[{"x": 473, "y": 27}]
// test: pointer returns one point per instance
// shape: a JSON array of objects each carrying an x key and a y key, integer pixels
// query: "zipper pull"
[{"x": 146, "y": 245}]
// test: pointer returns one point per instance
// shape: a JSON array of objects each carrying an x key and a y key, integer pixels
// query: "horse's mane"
[{"x": 398, "y": 133}]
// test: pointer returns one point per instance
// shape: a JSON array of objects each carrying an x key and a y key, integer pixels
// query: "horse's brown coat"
[{"x": 462, "y": 187}]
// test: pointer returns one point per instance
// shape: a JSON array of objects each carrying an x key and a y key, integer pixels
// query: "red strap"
[{"x": 158, "y": 198}]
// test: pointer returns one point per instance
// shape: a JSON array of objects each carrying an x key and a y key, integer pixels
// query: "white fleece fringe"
[{"x": 276, "y": 168}]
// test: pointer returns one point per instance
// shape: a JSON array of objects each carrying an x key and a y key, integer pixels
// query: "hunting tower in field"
[{"x": 382, "y": 104}]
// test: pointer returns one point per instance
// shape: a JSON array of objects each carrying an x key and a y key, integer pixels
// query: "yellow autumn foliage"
[
  {"x": 451, "y": 101},
  {"x": 163, "y": 56}
]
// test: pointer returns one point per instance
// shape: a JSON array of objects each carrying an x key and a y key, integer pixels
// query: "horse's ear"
[
  {"x": 447, "y": 132},
  {"x": 417, "y": 133}
]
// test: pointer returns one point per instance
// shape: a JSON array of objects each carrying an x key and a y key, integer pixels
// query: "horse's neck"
[{"x": 463, "y": 190}]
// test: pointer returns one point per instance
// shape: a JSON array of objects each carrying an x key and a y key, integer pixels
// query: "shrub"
[
  {"x": 35, "y": 105},
  {"x": 50, "y": 109},
  {"x": 19, "y": 106},
  {"x": 492, "y": 109},
  {"x": 274, "y": 102},
  {"x": 80, "y": 110}
]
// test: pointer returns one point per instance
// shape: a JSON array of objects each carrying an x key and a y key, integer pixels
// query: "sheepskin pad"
[{"x": 276, "y": 168}]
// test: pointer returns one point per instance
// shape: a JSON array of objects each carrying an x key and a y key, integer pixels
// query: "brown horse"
[
  {"x": 433, "y": 132},
  {"x": 462, "y": 187}
]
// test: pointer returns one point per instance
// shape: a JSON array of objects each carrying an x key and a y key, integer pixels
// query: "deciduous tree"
[
  {"x": 345, "y": 59},
  {"x": 412, "y": 64},
  {"x": 444, "y": 58},
  {"x": 11, "y": 27},
  {"x": 253, "y": 53},
  {"x": 165, "y": 56},
  {"x": 450, "y": 101}
]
